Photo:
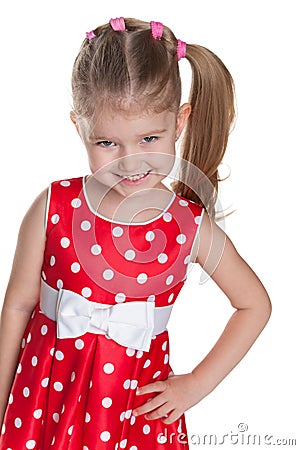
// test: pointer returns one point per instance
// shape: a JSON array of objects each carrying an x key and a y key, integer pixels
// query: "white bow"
[{"x": 130, "y": 324}]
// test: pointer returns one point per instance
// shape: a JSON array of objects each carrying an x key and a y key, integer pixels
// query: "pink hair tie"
[
  {"x": 157, "y": 29},
  {"x": 118, "y": 24},
  {"x": 181, "y": 49},
  {"x": 90, "y": 35}
]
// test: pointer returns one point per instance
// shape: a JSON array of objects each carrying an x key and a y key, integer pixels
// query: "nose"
[{"x": 129, "y": 162}]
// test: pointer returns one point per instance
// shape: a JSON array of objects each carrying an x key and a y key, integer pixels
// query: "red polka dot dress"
[{"x": 99, "y": 329}]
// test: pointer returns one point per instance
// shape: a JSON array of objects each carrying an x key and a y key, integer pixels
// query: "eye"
[
  {"x": 149, "y": 139},
  {"x": 105, "y": 143}
]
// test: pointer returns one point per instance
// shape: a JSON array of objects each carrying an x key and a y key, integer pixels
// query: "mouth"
[{"x": 135, "y": 178}]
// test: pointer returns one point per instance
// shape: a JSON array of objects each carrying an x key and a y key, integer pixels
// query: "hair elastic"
[
  {"x": 181, "y": 49},
  {"x": 90, "y": 35},
  {"x": 118, "y": 24},
  {"x": 157, "y": 29}
]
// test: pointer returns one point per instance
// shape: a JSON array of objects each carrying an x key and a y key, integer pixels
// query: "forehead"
[{"x": 112, "y": 122}]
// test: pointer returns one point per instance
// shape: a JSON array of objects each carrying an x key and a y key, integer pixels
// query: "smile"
[{"x": 134, "y": 178}]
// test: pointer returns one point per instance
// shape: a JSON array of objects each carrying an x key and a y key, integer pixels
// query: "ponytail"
[{"x": 207, "y": 131}]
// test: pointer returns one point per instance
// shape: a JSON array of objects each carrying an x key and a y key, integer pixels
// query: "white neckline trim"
[{"x": 117, "y": 221}]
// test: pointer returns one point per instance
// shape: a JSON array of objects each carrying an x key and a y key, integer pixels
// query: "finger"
[
  {"x": 171, "y": 417},
  {"x": 157, "y": 386},
  {"x": 150, "y": 405},
  {"x": 160, "y": 413}
]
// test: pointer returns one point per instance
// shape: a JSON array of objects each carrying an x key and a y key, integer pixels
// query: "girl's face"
[{"x": 128, "y": 152}]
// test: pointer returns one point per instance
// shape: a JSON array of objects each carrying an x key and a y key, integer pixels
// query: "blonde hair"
[{"x": 132, "y": 70}]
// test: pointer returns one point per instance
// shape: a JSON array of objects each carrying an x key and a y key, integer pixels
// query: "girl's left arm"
[{"x": 219, "y": 258}]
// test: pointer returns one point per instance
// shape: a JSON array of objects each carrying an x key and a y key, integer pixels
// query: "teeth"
[{"x": 136, "y": 177}]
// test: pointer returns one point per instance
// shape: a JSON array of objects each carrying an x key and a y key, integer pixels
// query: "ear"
[
  {"x": 182, "y": 117},
  {"x": 74, "y": 120}
]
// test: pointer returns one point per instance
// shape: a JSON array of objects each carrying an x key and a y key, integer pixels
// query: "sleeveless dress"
[{"x": 78, "y": 391}]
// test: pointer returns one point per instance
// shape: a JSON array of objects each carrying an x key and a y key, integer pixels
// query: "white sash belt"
[{"x": 131, "y": 324}]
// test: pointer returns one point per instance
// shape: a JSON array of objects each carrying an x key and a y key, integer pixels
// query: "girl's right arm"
[{"x": 22, "y": 293}]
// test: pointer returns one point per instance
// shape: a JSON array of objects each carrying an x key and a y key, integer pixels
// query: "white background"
[{"x": 259, "y": 43}]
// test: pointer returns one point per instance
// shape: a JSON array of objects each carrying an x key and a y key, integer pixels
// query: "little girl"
[{"x": 101, "y": 259}]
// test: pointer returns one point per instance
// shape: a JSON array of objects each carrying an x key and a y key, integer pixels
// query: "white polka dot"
[
  {"x": 151, "y": 298},
  {"x": 79, "y": 344},
  {"x": 65, "y": 183},
  {"x": 166, "y": 358},
  {"x": 52, "y": 351},
  {"x": 85, "y": 447},
  {"x": 59, "y": 355},
  {"x": 147, "y": 363},
  {"x": 37, "y": 413},
  {"x": 34, "y": 361},
  {"x": 139, "y": 354},
  {"x": 76, "y": 202},
  {"x": 55, "y": 219},
  {"x": 162, "y": 258},
  {"x": 130, "y": 351},
  {"x": 44, "y": 330},
  {"x": 123, "y": 443},
  {"x": 65, "y": 242},
  {"x": 108, "y": 274},
  {"x": 161, "y": 439},
  {"x": 132, "y": 421},
  {"x": 117, "y": 231},
  {"x": 75, "y": 267},
  {"x": 56, "y": 417},
  {"x": 126, "y": 384},
  {"x": 169, "y": 279},
  {"x": 96, "y": 249},
  {"x": 44, "y": 275},
  {"x": 87, "y": 417},
  {"x": 150, "y": 236},
  {"x": 120, "y": 297},
  {"x": 86, "y": 292},
  {"x": 52, "y": 261},
  {"x": 167, "y": 217},
  {"x": 146, "y": 429},
  {"x": 30, "y": 444},
  {"x": 59, "y": 284},
  {"x": 105, "y": 436},
  {"x": 106, "y": 402},
  {"x": 187, "y": 259},
  {"x": 183, "y": 203},
  {"x": 129, "y": 255},
  {"x": 133, "y": 384},
  {"x": 142, "y": 278},
  {"x": 3, "y": 429},
  {"x": 73, "y": 376},
  {"x": 11, "y": 399},
  {"x": 198, "y": 220},
  {"x": 85, "y": 225},
  {"x": 18, "y": 422},
  {"x": 122, "y": 416},
  {"x": 181, "y": 239},
  {"x": 26, "y": 392},
  {"x": 70, "y": 430},
  {"x": 28, "y": 338},
  {"x": 108, "y": 368},
  {"x": 157, "y": 374},
  {"x": 164, "y": 346},
  {"x": 45, "y": 382},
  {"x": 128, "y": 413},
  {"x": 171, "y": 296},
  {"x": 58, "y": 387},
  {"x": 19, "y": 369}
]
